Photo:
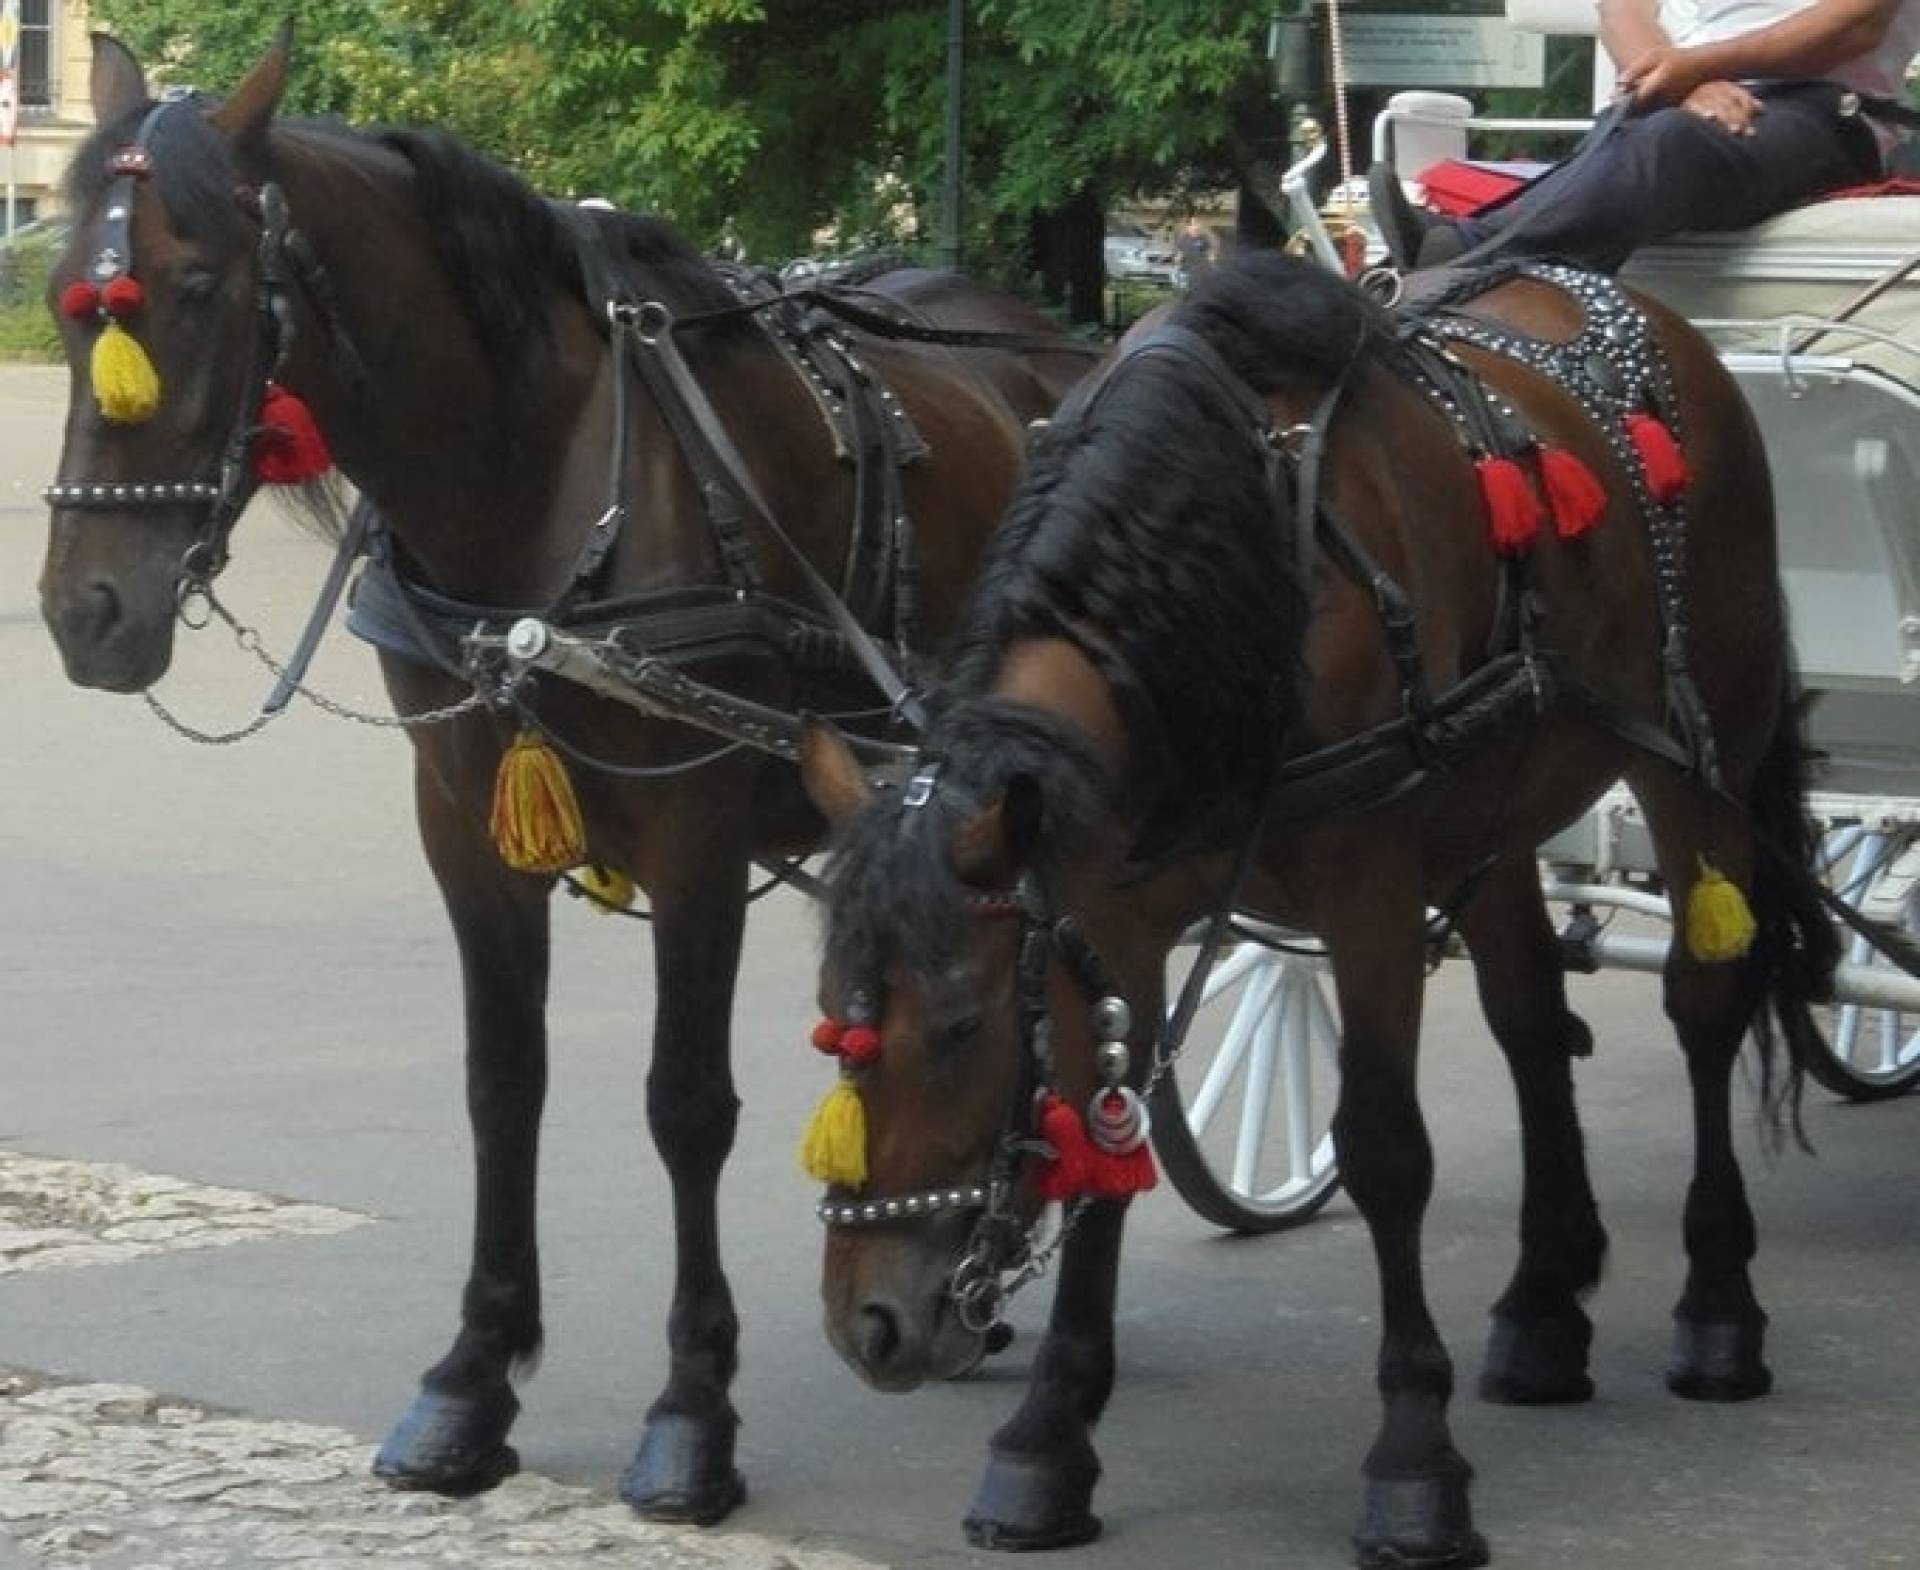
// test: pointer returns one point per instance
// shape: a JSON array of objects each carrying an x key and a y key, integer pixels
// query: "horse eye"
[{"x": 198, "y": 286}]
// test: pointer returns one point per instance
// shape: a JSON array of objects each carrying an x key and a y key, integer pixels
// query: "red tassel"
[
  {"x": 1575, "y": 497},
  {"x": 1661, "y": 460},
  {"x": 1513, "y": 510},
  {"x": 122, "y": 297},
  {"x": 79, "y": 300},
  {"x": 1115, "y": 1177},
  {"x": 826, "y": 1035},
  {"x": 1065, "y": 1173},
  {"x": 289, "y": 449},
  {"x": 860, "y": 1044}
]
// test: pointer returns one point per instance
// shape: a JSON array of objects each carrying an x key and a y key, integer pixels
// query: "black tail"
[{"x": 1795, "y": 948}]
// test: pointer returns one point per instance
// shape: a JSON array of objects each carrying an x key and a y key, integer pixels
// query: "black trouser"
[{"x": 1636, "y": 179}]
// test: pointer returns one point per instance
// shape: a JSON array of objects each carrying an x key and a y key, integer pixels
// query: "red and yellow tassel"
[
  {"x": 833, "y": 1149},
  {"x": 536, "y": 820},
  {"x": 1720, "y": 927}
]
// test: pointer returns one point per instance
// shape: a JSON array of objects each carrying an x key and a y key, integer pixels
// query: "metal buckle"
[{"x": 919, "y": 790}]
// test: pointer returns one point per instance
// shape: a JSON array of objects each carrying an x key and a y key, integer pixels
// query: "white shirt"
[{"x": 1879, "y": 73}]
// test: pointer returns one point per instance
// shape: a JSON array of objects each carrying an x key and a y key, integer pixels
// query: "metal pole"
[{"x": 956, "y": 71}]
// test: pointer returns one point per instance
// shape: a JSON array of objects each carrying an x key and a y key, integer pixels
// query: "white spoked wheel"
[
  {"x": 1873, "y": 1053},
  {"x": 1249, "y": 1147}
]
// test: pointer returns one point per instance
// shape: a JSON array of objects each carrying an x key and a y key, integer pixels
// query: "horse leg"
[
  {"x": 1416, "y": 1510},
  {"x": 1719, "y": 1327},
  {"x": 1538, "y": 1343},
  {"x": 453, "y": 1438},
  {"x": 683, "y": 1470},
  {"x": 1037, "y": 1491}
]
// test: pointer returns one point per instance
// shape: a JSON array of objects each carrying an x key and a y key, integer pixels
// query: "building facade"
[{"x": 55, "y": 59}]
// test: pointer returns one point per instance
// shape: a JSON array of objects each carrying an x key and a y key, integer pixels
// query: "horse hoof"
[
  {"x": 1537, "y": 1362},
  {"x": 1718, "y": 1362},
  {"x": 1029, "y": 1502},
  {"x": 683, "y": 1472},
  {"x": 451, "y": 1444},
  {"x": 1418, "y": 1523}
]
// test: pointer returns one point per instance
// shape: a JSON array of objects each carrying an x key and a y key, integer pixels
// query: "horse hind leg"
[
  {"x": 452, "y": 1439},
  {"x": 1540, "y": 1336},
  {"x": 1719, "y": 1326},
  {"x": 683, "y": 1470}
]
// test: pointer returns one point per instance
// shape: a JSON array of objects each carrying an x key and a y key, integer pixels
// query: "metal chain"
[{"x": 249, "y": 639}]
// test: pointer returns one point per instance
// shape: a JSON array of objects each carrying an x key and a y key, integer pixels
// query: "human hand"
[
  {"x": 1727, "y": 104},
  {"x": 1662, "y": 76}
]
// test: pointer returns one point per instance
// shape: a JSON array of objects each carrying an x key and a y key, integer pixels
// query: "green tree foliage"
[{"x": 763, "y": 123}]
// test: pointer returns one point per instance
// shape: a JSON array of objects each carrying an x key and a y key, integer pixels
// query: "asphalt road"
[{"x": 228, "y": 964}]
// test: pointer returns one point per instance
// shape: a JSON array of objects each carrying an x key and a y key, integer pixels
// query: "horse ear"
[
  {"x": 250, "y": 107},
  {"x": 831, "y": 773},
  {"x": 998, "y": 844},
  {"x": 117, "y": 82}
]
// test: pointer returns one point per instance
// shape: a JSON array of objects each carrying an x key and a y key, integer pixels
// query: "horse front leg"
[
  {"x": 1037, "y": 1491},
  {"x": 1416, "y": 1509},
  {"x": 683, "y": 1470},
  {"x": 452, "y": 1439},
  {"x": 1539, "y": 1340}
]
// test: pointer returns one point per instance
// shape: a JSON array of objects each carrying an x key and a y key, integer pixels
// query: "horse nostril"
[
  {"x": 879, "y": 1335},
  {"x": 94, "y": 610}
]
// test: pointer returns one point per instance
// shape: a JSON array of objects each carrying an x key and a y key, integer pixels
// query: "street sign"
[
  {"x": 9, "y": 33},
  {"x": 1390, "y": 50},
  {"x": 9, "y": 108}
]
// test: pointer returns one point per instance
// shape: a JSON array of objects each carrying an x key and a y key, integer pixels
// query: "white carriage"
[{"x": 1817, "y": 313}]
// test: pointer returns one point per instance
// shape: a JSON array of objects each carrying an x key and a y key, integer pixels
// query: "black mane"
[{"x": 1144, "y": 531}]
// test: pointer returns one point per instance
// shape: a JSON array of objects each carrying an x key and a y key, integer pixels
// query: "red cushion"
[{"x": 1458, "y": 188}]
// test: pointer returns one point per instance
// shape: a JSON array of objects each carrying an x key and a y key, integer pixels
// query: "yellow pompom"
[
  {"x": 124, "y": 381},
  {"x": 834, "y": 1147},
  {"x": 1719, "y": 925},
  {"x": 610, "y": 888},
  {"x": 536, "y": 821}
]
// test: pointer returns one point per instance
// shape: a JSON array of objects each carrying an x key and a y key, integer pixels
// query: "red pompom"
[
  {"x": 1513, "y": 510},
  {"x": 826, "y": 1035},
  {"x": 1661, "y": 460},
  {"x": 860, "y": 1044},
  {"x": 288, "y": 449},
  {"x": 122, "y": 297},
  {"x": 79, "y": 300},
  {"x": 1063, "y": 1174},
  {"x": 1575, "y": 497},
  {"x": 1116, "y": 1177}
]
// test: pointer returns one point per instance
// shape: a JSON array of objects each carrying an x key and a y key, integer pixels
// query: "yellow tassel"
[
  {"x": 536, "y": 821},
  {"x": 611, "y": 888},
  {"x": 834, "y": 1147},
  {"x": 1719, "y": 925},
  {"x": 124, "y": 380}
]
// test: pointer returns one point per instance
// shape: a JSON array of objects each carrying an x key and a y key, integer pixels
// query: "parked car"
[{"x": 1131, "y": 252}]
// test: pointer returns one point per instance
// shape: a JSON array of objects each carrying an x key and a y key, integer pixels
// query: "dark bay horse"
[
  {"x": 1184, "y": 685},
  {"x": 440, "y": 322}
]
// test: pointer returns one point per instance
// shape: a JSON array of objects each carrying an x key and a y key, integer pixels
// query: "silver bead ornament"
[
  {"x": 1112, "y": 1019},
  {"x": 1114, "y": 1059},
  {"x": 1117, "y": 1121}
]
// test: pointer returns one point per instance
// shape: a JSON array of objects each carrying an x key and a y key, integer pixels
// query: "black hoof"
[
  {"x": 1537, "y": 1362},
  {"x": 1424, "y": 1523},
  {"x": 451, "y": 1444},
  {"x": 683, "y": 1472},
  {"x": 1718, "y": 1362},
  {"x": 1029, "y": 1502}
]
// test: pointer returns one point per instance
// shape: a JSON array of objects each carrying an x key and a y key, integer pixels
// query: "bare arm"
[
  {"x": 1810, "y": 43},
  {"x": 1630, "y": 29}
]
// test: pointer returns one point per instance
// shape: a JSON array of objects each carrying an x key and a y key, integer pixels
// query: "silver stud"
[
  {"x": 869, "y": 1212},
  {"x": 893, "y": 1207}
]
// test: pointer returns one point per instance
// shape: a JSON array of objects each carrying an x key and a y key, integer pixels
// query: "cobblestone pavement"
[
  {"x": 116, "y": 1477},
  {"x": 55, "y": 1214}
]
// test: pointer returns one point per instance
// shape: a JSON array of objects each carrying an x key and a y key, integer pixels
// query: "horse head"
[
  {"x": 162, "y": 312},
  {"x": 971, "y": 1022}
]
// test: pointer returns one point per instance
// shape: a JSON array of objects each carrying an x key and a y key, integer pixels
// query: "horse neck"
[{"x": 426, "y": 435}]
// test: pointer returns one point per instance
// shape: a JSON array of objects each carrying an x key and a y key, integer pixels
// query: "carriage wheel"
[
  {"x": 1873, "y": 1054},
  {"x": 1248, "y": 1148}
]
